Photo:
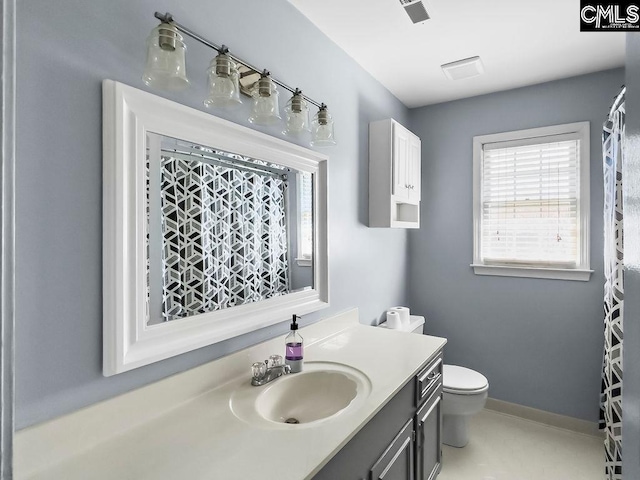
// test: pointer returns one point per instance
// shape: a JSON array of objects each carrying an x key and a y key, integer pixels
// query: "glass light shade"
[
  {"x": 297, "y": 115},
  {"x": 265, "y": 102},
  {"x": 322, "y": 129},
  {"x": 165, "y": 68},
  {"x": 224, "y": 89}
]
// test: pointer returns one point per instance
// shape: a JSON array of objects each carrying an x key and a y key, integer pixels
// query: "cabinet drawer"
[{"x": 429, "y": 378}]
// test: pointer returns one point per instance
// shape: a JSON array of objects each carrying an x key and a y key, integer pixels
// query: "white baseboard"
[{"x": 547, "y": 418}]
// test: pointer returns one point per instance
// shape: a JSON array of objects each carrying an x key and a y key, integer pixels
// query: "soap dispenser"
[{"x": 294, "y": 348}]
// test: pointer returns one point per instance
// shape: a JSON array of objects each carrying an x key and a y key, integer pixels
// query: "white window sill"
[
  {"x": 303, "y": 262},
  {"x": 533, "y": 272}
]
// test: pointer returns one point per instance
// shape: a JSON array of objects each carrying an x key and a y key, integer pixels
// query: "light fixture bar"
[{"x": 168, "y": 18}]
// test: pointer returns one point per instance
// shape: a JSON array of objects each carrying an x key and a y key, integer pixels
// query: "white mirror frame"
[{"x": 128, "y": 342}]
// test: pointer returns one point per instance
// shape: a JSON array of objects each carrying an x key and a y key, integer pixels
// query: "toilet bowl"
[{"x": 465, "y": 393}]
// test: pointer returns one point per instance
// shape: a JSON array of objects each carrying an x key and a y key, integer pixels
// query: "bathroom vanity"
[
  {"x": 210, "y": 423},
  {"x": 403, "y": 440}
]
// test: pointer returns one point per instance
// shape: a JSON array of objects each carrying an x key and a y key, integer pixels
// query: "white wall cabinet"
[{"x": 394, "y": 176}]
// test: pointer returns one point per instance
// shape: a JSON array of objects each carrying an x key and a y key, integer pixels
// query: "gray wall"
[
  {"x": 539, "y": 342},
  {"x": 631, "y": 350},
  {"x": 65, "y": 49}
]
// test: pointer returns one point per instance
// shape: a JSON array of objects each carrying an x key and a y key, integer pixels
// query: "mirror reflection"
[{"x": 223, "y": 229}]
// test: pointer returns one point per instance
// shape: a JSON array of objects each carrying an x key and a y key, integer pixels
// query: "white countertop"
[{"x": 183, "y": 427}]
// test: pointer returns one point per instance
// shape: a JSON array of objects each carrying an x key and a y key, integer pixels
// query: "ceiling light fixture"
[
  {"x": 465, "y": 68},
  {"x": 166, "y": 70}
]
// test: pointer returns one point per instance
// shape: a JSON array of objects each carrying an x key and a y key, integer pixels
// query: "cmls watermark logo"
[{"x": 606, "y": 17}]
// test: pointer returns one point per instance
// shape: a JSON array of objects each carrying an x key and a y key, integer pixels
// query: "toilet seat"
[{"x": 463, "y": 381}]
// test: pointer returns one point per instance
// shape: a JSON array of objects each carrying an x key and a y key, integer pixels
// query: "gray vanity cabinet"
[
  {"x": 397, "y": 462},
  {"x": 355, "y": 460},
  {"x": 428, "y": 427},
  {"x": 428, "y": 420},
  {"x": 402, "y": 442}
]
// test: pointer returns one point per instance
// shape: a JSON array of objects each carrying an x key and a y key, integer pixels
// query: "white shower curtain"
[{"x": 611, "y": 394}]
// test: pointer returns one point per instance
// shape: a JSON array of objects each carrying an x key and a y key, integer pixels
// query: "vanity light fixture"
[
  {"x": 224, "y": 88},
  {"x": 322, "y": 128},
  {"x": 165, "y": 69},
  {"x": 265, "y": 109},
  {"x": 297, "y": 114}
]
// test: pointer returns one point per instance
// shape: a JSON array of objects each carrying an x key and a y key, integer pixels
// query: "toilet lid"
[{"x": 462, "y": 379}]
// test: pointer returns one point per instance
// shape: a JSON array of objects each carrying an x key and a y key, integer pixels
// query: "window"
[
  {"x": 305, "y": 219},
  {"x": 531, "y": 203}
]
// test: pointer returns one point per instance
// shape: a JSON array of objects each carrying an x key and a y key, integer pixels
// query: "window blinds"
[
  {"x": 306, "y": 216},
  {"x": 530, "y": 202}
]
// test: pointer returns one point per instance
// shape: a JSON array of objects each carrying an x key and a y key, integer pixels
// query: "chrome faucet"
[{"x": 269, "y": 370}]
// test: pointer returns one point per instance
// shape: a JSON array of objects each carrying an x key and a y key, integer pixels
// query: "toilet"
[{"x": 465, "y": 393}]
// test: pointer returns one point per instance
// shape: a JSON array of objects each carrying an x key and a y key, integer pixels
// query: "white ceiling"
[{"x": 520, "y": 42}]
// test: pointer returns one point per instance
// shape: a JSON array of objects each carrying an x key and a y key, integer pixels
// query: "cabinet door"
[
  {"x": 397, "y": 463},
  {"x": 406, "y": 164},
  {"x": 413, "y": 168},
  {"x": 429, "y": 437},
  {"x": 400, "y": 161}
]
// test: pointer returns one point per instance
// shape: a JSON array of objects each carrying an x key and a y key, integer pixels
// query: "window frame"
[{"x": 582, "y": 271}]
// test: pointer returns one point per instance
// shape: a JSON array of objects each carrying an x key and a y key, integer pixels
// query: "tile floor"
[{"x": 503, "y": 447}]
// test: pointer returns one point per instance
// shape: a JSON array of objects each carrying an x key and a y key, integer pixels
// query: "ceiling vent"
[
  {"x": 416, "y": 11},
  {"x": 465, "y": 68}
]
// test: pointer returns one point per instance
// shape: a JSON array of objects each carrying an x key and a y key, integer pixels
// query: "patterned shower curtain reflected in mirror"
[
  {"x": 225, "y": 239},
  {"x": 611, "y": 393}
]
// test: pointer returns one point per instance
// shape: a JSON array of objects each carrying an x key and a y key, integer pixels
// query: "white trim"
[
  {"x": 579, "y": 130},
  {"x": 532, "y": 272},
  {"x": 128, "y": 342},
  {"x": 7, "y": 236},
  {"x": 304, "y": 262},
  {"x": 576, "y": 425}
]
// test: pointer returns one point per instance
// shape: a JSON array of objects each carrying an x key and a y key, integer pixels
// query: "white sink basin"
[{"x": 321, "y": 392}]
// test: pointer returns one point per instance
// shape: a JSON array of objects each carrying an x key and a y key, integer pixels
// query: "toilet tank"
[{"x": 416, "y": 325}]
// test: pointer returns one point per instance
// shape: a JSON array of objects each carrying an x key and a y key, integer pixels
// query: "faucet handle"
[
  {"x": 275, "y": 360},
  {"x": 258, "y": 370}
]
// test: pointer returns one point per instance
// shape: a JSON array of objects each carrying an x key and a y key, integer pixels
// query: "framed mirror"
[{"x": 210, "y": 230}]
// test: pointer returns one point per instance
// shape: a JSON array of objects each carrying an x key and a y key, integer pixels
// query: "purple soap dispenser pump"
[{"x": 294, "y": 349}]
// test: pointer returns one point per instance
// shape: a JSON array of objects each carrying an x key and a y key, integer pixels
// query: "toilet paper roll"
[
  {"x": 404, "y": 316},
  {"x": 393, "y": 320}
]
